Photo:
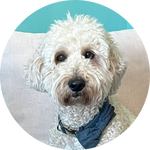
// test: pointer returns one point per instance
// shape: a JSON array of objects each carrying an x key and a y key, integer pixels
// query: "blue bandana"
[{"x": 89, "y": 135}]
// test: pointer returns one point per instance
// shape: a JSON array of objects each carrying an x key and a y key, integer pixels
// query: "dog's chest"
[{"x": 77, "y": 115}]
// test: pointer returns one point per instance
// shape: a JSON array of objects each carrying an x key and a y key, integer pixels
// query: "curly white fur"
[{"x": 102, "y": 75}]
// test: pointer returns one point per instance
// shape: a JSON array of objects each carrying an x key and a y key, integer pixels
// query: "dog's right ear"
[{"x": 33, "y": 70}]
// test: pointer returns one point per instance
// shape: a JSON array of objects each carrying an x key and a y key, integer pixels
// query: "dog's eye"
[
  {"x": 61, "y": 58},
  {"x": 89, "y": 55}
]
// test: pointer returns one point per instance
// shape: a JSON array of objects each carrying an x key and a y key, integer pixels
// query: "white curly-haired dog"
[{"x": 80, "y": 67}]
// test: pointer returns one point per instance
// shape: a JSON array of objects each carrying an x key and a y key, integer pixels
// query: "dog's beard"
[{"x": 71, "y": 98}]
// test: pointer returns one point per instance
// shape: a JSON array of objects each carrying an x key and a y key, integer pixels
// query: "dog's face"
[{"x": 78, "y": 62}]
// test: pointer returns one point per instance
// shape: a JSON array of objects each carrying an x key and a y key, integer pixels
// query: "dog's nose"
[{"x": 76, "y": 85}]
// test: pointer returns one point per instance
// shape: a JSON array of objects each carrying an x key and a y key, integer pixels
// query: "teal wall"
[{"x": 39, "y": 21}]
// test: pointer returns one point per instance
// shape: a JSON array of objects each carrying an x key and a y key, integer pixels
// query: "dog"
[{"x": 80, "y": 67}]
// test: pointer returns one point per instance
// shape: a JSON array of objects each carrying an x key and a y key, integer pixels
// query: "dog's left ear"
[
  {"x": 118, "y": 65},
  {"x": 33, "y": 71}
]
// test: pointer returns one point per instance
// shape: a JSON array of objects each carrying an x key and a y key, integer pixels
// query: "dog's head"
[{"x": 77, "y": 62}]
